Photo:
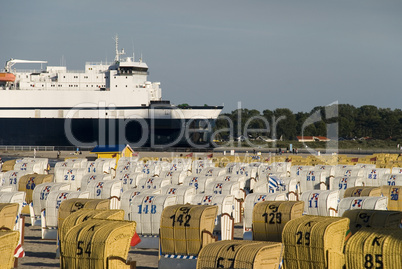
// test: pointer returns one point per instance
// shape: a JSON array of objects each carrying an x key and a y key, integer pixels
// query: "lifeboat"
[{"x": 7, "y": 77}]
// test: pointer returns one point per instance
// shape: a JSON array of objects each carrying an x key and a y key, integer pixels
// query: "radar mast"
[{"x": 118, "y": 53}]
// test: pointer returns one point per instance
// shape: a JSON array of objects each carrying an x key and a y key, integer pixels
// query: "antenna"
[
  {"x": 132, "y": 42},
  {"x": 116, "y": 41},
  {"x": 117, "y": 58}
]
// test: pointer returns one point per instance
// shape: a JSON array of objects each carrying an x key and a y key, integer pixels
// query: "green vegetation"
[
  {"x": 363, "y": 127},
  {"x": 183, "y": 106},
  {"x": 352, "y": 144}
]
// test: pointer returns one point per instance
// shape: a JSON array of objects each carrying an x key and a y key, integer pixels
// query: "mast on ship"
[{"x": 118, "y": 53}]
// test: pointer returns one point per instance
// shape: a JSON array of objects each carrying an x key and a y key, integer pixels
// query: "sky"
[{"x": 257, "y": 54}]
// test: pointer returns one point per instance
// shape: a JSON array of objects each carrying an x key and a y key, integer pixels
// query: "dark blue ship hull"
[{"x": 84, "y": 132}]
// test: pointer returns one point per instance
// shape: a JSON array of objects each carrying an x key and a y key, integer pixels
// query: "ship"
[{"x": 105, "y": 104}]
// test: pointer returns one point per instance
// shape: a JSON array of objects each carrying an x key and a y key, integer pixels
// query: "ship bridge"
[{"x": 130, "y": 67}]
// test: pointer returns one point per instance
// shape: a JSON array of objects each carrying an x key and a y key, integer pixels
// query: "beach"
[{"x": 40, "y": 253}]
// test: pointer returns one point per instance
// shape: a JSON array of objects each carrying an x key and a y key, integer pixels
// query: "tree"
[
  {"x": 346, "y": 119},
  {"x": 367, "y": 121},
  {"x": 285, "y": 123},
  {"x": 390, "y": 123},
  {"x": 346, "y": 127},
  {"x": 300, "y": 119},
  {"x": 320, "y": 128}
]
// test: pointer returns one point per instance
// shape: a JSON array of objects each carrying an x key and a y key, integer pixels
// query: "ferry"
[{"x": 105, "y": 104}]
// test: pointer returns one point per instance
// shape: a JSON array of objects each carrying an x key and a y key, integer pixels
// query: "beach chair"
[
  {"x": 49, "y": 216},
  {"x": 224, "y": 225},
  {"x": 87, "y": 178},
  {"x": 320, "y": 202},
  {"x": 97, "y": 243},
  {"x": 374, "y": 248},
  {"x": 240, "y": 254},
  {"x": 270, "y": 217},
  {"x": 39, "y": 197},
  {"x": 184, "y": 231},
  {"x": 184, "y": 194},
  {"x": 251, "y": 200},
  {"x": 363, "y": 202},
  {"x": 146, "y": 210},
  {"x": 314, "y": 242},
  {"x": 106, "y": 189}
]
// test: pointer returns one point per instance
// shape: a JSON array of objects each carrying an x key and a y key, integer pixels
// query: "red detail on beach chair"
[
  {"x": 135, "y": 240},
  {"x": 19, "y": 252}
]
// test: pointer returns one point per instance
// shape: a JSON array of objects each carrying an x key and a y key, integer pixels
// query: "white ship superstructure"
[{"x": 117, "y": 95}]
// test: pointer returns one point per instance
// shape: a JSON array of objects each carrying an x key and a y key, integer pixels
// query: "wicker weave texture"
[
  {"x": 392, "y": 193},
  {"x": 310, "y": 240},
  {"x": 8, "y": 243},
  {"x": 91, "y": 244},
  {"x": 361, "y": 218},
  {"x": 362, "y": 191},
  {"x": 71, "y": 205},
  {"x": 85, "y": 214},
  {"x": 8, "y": 215},
  {"x": 374, "y": 248},
  {"x": 270, "y": 217},
  {"x": 240, "y": 254},
  {"x": 182, "y": 228},
  {"x": 27, "y": 184},
  {"x": 8, "y": 165}
]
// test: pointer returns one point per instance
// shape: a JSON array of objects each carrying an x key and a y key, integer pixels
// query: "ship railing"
[
  {"x": 73, "y": 71},
  {"x": 99, "y": 63},
  {"x": 43, "y": 148},
  {"x": 134, "y": 73},
  {"x": 83, "y": 71},
  {"x": 27, "y": 148},
  {"x": 28, "y": 70}
]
